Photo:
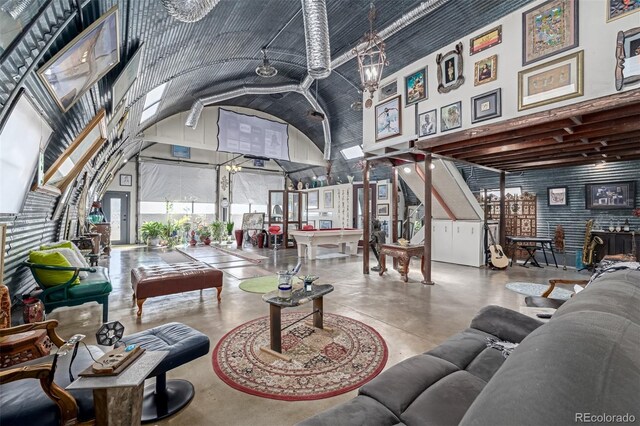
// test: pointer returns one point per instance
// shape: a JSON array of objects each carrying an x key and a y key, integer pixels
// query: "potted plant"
[
  {"x": 205, "y": 236},
  {"x": 151, "y": 233},
  {"x": 216, "y": 230},
  {"x": 229, "y": 228}
]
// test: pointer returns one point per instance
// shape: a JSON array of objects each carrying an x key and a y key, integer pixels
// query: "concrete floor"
[{"x": 411, "y": 317}]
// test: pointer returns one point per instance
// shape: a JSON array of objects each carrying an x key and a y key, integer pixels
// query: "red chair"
[
  {"x": 308, "y": 227},
  {"x": 274, "y": 231}
]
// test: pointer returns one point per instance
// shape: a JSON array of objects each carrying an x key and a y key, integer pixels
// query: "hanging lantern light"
[{"x": 371, "y": 58}]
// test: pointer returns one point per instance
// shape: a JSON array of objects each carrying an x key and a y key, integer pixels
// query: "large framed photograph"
[
  {"x": 486, "y": 106},
  {"x": 428, "y": 122},
  {"x": 451, "y": 116},
  {"x": 557, "y": 196},
  {"x": 485, "y": 40},
  {"x": 126, "y": 78},
  {"x": 312, "y": 200},
  {"x": 84, "y": 61},
  {"x": 327, "y": 197},
  {"x": 485, "y": 70},
  {"x": 610, "y": 195},
  {"x": 619, "y": 8},
  {"x": 450, "y": 69},
  {"x": 627, "y": 57},
  {"x": 553, "y": 81},
  {"x": 383, "y": 209},
  {"x": 383, "y": 191},
  {"x": 388, "y": 90},
  {"x": 415, "y": 87},
  {"x": 548, "y": 29},
  {"x": 388, "y": 119},
  {"x": 324, "y": 224}
]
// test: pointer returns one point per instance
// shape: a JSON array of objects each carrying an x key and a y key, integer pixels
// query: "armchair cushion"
[
  {"x": 95, "y": 284},
  {"x": 71, "y": 257},
  {"x": 50, "y": 278},
  {"x": 69, "y": 245}
]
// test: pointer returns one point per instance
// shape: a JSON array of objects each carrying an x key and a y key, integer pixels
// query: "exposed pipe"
[
  {"x": 316, "y": 34},
  {"x": 189, "y": 10}
]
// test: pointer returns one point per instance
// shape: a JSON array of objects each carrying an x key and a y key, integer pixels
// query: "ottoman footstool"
[
  {"x": 184, "y": 344},
  {"x": 162, "y": 280}
]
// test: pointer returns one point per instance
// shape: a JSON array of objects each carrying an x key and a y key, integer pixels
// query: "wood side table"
[{"x": 403, "y": 254}]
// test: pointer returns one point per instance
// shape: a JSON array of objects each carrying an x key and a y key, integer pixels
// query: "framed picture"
[
  {"x": 84, "y": 61},
  {"x": 485, "y": 40},
  {"x": 126, "y": 78},
  {"x": 383, "y": 209},
  {"x": 450, "y": 69},
  {"x": 125, "y": 180},
  {"x": 388, "y": 119},
  {"x": 610, "y": 195},
  {"x": 627, "y": 57},
  {"x": 548, "y": 29},
  {"x": 451, "y": 116},
  {"x": 180, "y": 151},
  {"x": 485, "y": 70},
  {"x": 619, "y": 8},
  {"x": 428, "y": 123},
  {"x": 553, "y": 81},
  {"x": 486, "y": 106},
  {"x": 325, "y": 224},
  {"x": 415, "y": 87},
  {"x": 327, "y": 197},
  {"x": 557, "y": 196},
  {"x": 312, "y": 200},
  {"x": 388, "y": 90},
  {"x": 383, "y": 191}
]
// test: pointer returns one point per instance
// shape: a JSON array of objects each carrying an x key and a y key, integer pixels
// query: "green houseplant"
[
  {"x": 151, "y": 232},
  {"x": 230, "y": 228},
  {"x": 216, "y": 230}
]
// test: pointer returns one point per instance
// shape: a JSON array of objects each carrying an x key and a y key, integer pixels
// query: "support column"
[
  {"x": 394, "y": 206},
  {"x": 503, "y": 216},
  {"x": 428, "y": 186},
  {"x": 366, "y": 232}
]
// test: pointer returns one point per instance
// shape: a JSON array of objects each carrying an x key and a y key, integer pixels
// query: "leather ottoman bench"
[{"x": 161, "y": 280}]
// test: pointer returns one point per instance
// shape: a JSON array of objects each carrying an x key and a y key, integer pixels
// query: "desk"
[
  {"x": 118, "y": 399},
  {"x": 531, "y": 245},
  {"x": 404, "y": 254},
  {"x": 342, "y": 237}
]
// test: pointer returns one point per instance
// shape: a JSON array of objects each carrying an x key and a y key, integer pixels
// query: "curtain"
[
  {"x": 253, "y": 188},
  {"x": 177, "y": 183}
]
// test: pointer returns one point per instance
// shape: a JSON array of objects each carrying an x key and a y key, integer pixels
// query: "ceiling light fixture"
[
  {"x": 371, "y": 58},
  {"x": 266, "y": 70},
  {"x": 407, "y": 169},
  {"x": 232, "y": 168}
]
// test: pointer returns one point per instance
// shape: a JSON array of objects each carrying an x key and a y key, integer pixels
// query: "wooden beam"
[
  {"x": 366, "y": 232},
  {"x": 428, "y": 237},
  {"x": 505, "y": 148},
  {"x": 565, "y": 161},
  {"x": 503, "y": 216},
  {"x": 394, "y": 206},
  {"x": 585, "y": 161}
]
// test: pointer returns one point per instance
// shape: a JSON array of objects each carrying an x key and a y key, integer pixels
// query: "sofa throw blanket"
[{"x": 505, "y": 347}]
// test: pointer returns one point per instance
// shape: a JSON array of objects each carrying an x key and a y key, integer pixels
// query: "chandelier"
[
  {"x": 232, "y": 168},
  {"x": 371, "y": 58}
]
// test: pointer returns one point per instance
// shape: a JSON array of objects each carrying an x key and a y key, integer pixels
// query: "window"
[{"x": 152, "y": 102}]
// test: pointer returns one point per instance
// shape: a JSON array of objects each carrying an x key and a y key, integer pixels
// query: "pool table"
[{"x": 310, "y": 240}]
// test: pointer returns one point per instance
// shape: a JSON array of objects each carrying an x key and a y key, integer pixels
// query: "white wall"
[
  {"x": 128, "y": 169},
  {"x": 596, "y": 37},
  {"x": 341, "y": 214}
]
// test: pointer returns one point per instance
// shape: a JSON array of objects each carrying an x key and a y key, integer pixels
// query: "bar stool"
[
  {"x": 307, "y": 227},
  {"x": 274, "y": 231}
]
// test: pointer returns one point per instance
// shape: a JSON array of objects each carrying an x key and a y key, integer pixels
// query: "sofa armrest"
[
  {"x": 49, "y": 325},
  {"x": 504, "y": 323}
]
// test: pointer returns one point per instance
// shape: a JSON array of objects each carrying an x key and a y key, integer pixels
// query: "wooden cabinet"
[
  {"x": 457, "y": 242},
  {"x": 617, "y": 243}
]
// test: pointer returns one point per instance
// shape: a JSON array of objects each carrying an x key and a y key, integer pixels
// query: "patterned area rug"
[
  {"x": 324, "y": 363},
  {"x": 533, "y": 289}
]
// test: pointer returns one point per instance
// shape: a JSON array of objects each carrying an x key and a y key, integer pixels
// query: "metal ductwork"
[
  {"x": 189, "y": 10},
  {"x": 316, "y": 33}
]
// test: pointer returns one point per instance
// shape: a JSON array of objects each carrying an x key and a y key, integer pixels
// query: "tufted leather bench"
[{"x": 161, "y": 280}]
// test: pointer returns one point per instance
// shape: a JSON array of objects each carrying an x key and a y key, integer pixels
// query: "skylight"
[
  {"x": 152, "y": 102},
  {"x": 352, "y": 152}
]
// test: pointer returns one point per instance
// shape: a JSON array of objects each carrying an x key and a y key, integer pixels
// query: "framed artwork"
[
  {"x": 415, "y": 87},
  {"x": 388, "y": 90},
  {"x": 251, "y": 221},
  {"x": 388, "y": 119},
  {"x": 610, "y": 195},
  {"x": 486, "y": 106},
  {"x": 117, "y": 113},
  {"x": 180, "y": 151},
  {"x": 312, "y": 200},
  {"x": 553, "y": 81},
  {"x": 84, "y": 61},
  {"x": 383, "y": 192},
  {"x": 450, "y": 69},
  {"x": 619, "y": 8},
  {"x": 485, "y": 40},
  {"x": 451, "y": 116},
  {"x": 428, "y": 123},
  {"x": 548, "y": 29},
  {"x": 325, "y": 224},
  {"x": 557, "y": 196},
  {"x": 485, "y": 70},
  {"x": 126, "y": 78},
  {"x": 125, "y": 180},
  {"x": 627, "y": 57},
  {"x": 327, "y": 197},
  {"x": 383, "y": 209}
]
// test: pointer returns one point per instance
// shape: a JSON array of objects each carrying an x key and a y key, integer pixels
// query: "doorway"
[
  {"x": 358, "y": 204},
  {"x": 115, "y": 205}
]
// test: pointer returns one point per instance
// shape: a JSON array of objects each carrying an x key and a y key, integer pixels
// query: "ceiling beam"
[
  {"x": 560, "y": 163},
  {"x": 635, "y": 150}
]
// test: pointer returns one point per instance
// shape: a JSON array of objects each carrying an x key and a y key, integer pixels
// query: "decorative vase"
[
  {"x": 239, "y": 236},
  {"x": 33, "y": 310},
  {"x": 207, "y": 241},
  {"x": 260, "y": 238},
  {"x": 193, "y": 241},
  {"x": 626, "y": 227}
]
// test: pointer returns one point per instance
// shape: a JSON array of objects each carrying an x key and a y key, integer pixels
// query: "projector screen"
[{"x": 248, "y": 134}]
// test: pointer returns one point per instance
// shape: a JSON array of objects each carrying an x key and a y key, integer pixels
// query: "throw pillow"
[
  {"x": 69, "y": 245},
  {"x": 51, "y": 278},
  {"x": 72, "y": 258}
]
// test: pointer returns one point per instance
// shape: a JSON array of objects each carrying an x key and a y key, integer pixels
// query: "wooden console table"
[
  {"x": 403, "y": 254},
  {"x": 617, "y": 243}
]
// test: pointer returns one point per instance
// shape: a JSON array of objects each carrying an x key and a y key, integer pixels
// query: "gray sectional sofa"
[{"x": 584, "y": 363}]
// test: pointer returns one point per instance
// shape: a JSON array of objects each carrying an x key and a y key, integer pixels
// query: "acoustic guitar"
[{"x": 498, "y": 259}]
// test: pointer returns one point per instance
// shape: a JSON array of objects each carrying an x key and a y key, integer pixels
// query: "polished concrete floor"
[{"x": 411, "y": 317}]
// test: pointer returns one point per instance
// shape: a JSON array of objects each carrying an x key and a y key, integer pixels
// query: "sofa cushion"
[
  {"x": 360, "y": 411},
  {"x": 71, "y": 257},
  {"x": 485, "y": 365},
  {"x": 445, "y": 402},
  {"x": 462, "y": 348},
  {"x": 69, "y": 245},
  {"x": 51, "y": 278},
  {"x": 505, "y": 324},
  {"x": 95, "y": 284}
]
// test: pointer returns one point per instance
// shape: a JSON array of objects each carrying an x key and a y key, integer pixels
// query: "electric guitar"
[{"x": 498, "y": 258}]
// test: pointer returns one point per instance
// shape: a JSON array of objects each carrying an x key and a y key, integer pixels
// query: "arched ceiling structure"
[{"x": 220, "y": 53}]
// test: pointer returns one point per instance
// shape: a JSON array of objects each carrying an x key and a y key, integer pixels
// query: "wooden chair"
[{"x": 545, "y": 301}]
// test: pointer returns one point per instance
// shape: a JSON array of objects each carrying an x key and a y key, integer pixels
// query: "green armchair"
[{"x": 94, "y": 288}]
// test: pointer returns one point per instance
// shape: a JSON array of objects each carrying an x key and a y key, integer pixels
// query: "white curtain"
[
  {"x": 253, "y": 188},
  {"x": 177, "y": 183}
]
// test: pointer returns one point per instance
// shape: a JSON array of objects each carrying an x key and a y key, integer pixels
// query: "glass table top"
[{"x": 298, "y": 295}]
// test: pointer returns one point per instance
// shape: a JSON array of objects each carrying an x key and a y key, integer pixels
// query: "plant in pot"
[
  {"x": 229, "y": 226},
  {"x": 216, "y": 230},
  {"x": 151, "y": 233},
  {"x": 205, "y": 236}
]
